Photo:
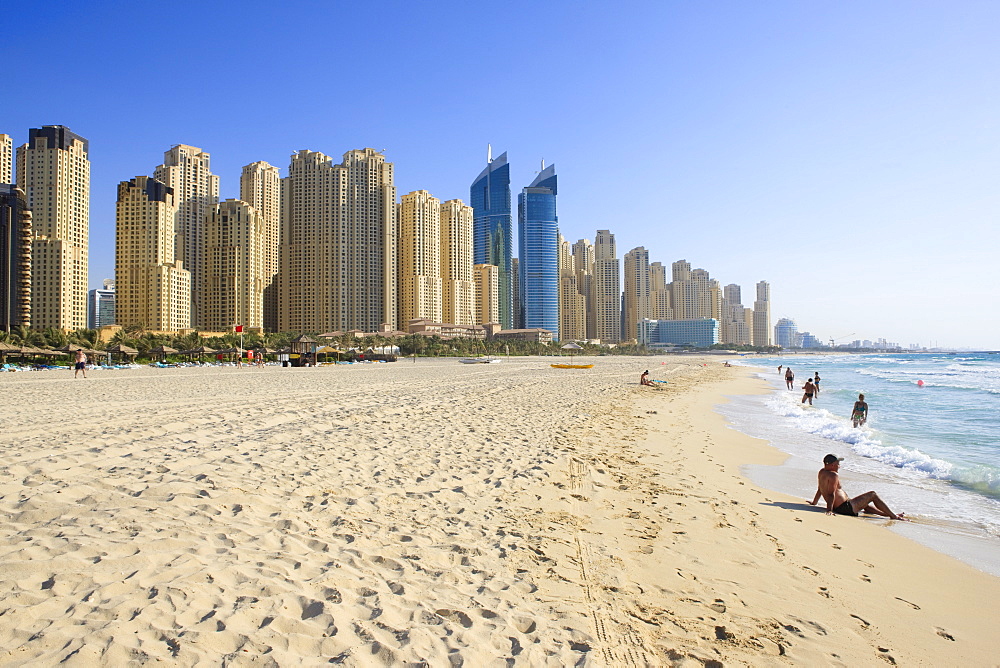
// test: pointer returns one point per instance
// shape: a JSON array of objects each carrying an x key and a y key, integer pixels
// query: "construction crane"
[{"x": 833, "y": 341}]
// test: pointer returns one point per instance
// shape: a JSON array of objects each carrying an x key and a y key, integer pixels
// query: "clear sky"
[{"x": 848, "y": 152}]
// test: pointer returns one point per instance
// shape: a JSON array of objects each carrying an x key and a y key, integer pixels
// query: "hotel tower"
[
  {"x": 572, "y": 304},
  {"x": 187, "y": 170},
  {"x": 607, "y": 289},
  {"x": 260, "y": 187},
  {"x": 487, "y": 280},
  {"x": 762, "y": 315},
  {"x": 53, "y": 171},
  {"x": 583, "y": 261},
  {"x": 337, "y": 267},
  {"x": 493, "y": 234},
  {"x": 15, "y": 259},
  {"x": 6, "y": 159},
  {"x": 637, "y": 293},
  {"x": 419, "y": 257},
  {"x": 234, "y": 275},
  {"x": 458, "y": 288},
  {"x": 152, "y": 288},
  {"x": 538, "y": 252}
]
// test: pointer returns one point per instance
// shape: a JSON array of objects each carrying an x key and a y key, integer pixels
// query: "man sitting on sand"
[
  {"x": 860, "y": 413},
  {"x": 837, "y": 502},
  {"x": 644, "y": 379}
]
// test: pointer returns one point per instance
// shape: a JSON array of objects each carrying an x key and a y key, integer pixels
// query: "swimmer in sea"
[{"x": 860, "y": 413}]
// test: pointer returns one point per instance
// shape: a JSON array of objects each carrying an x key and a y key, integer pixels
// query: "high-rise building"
[
  {"x": 637, "y": 291},
  {"x": 660, "y": 305},
  {"x": 338, "y": 267},
  {"x": 458, "y": 290},
  {"x": 152, "y": 288},
  {"x": 487, "y": 279},
  {"x": 700, "y": 332},
  {"x": 493, "y": 234},
  {"x": 101, "y": 305},
  {"x": 6, "y": 159},
  {"x": 733, "y": 326},
  {"x": 538, "y": 252},
  {"x": 419, "y": 257},
  {"x": 234, "y": 276},
  {"x": 583, "y": 259},
  {"x": 784, "y": 333},
  {"x": 515, "y": 289},
  {"x": 15, "y": 258},
  {"x": 762, "y": 315},
  {"x": 572, "y": 304},
  {"x": 607, "y": 289},
  {"x": 53, "y": 170},
  {"x": 260, "y": 187},
  {"x": 187, "y": 170},
  {"x": 694, "y": 294}
]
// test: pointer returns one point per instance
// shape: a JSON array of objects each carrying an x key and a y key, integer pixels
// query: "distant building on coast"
[
  {"x": 152, "y": 287},
  {"x": 538, "y": 252},
  {"x": 458, "y": 287},
  {"x": 583, "y": 263},
  {"x": 493, "y": 234},
  {"x": 234, "y": 273},
  {"x": 338, "y": 257},
  {"x": 572, "y": 302},
  {"x": 6, "y": 160},
  {"x": 607, "y": 289},
  {"x": 15, "y": 258},
  {"x": 487, "y": 281},
  {"x": 785, "y": 333},
  {"x": 636, "y": 302},
  {"x": 762, "y": 315},
  {"x": 419, "y": 257},
  {"x": 702, "y": 333},
  {"x": 187, "y": 170},
  {"x": 101, "y": 305},
  {"x": 260, "y": 187},
  {"x": 53, "y": 171}
]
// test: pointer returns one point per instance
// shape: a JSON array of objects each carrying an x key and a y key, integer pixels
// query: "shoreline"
[{"x": 382, "y": 514}]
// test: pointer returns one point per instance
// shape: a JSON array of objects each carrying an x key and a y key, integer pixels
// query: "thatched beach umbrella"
[
  {"x": 199, "y": 351},
  {"x": 162, "y": 351},
  {"x": 127, "y": 352},
  {"x": 572, "y": 347}
]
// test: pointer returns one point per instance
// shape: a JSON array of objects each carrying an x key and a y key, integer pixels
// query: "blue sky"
[{"x": 845, "y": 152}]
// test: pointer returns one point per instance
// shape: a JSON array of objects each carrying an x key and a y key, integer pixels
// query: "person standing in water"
[
  {"x": 789, "y": 378},
  {"x": 860, "y": 413},
  {"x": 816, "y": 382},
  {"x": 809, "y": 389}
]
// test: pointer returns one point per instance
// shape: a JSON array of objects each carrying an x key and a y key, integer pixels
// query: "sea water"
[{"x": 930, "y": 448}]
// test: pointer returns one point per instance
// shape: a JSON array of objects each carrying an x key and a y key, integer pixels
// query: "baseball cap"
[{"x": 829, "y": 459}]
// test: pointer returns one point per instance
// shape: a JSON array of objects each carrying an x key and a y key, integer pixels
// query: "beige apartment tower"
[
  {"x": 6, "y": 159},
  {"x": 234, "y": 276},
  {"x": 607, "y": 289},
  {"x": 583, "y": 261},
  {"x": 694, "y": 294},
  {"x": 636, "y": 293},
  {"x": 572, "y": 304},
  {"x": 762, "y": 315},
  {"x": 659, "y": 293},
  {"x": 458, "y": 289},
  {"x": 337, "y": 266},
  {"x": 152, "y": 289},
  {"x": 487, "y": 280},
  {"x": 53, "y": 170},
  {"x": 419, "y": 257},
  {"x": 260, "y": 187},
  {"x": 187, "y": 169}
]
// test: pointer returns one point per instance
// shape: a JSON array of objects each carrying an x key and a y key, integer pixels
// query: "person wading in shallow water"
[
  {"x": 837, "y": 501},
  {"x": 860, "y": 413},
  {"x": 789, "y": 378},
  {"x": 808, "y": 390}
]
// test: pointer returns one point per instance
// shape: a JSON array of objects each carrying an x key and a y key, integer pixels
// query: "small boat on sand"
[{"x": 571, "y": 366}]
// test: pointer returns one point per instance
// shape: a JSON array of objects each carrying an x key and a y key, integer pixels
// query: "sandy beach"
[{"x": 434, "y": 513}]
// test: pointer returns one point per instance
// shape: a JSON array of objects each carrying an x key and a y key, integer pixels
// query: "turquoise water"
[{"x": 931, "y": 443}]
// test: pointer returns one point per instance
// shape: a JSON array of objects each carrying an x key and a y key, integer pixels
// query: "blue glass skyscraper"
[
  {"x": 538, "y": 252},
  {"x": 492, "y": 226}
]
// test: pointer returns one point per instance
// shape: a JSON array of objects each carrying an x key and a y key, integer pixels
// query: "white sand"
[{"x": 435, "y": 512}]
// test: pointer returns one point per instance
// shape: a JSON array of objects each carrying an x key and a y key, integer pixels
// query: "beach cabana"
[
  {"x": 200, "y": 351},
  {"x": 303, "y": 350},
  {"x": 127, "y": 352},
  {"x": 162, "y": 351}
]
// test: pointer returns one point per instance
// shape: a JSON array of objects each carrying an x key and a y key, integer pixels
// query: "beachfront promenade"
[{"x": 438, "y": 512}]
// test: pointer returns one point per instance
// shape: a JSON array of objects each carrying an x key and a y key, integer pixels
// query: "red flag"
[{"x": 239, "y": 329}]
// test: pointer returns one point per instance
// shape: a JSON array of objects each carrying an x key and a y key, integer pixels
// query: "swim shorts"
[
  {"x": 845, "y": 509},
  {"x": 81, "y": 365}
]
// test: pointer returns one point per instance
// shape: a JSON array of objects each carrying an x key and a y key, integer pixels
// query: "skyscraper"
[
  {"x": 260, "y": 187},
  {"x": 607, "y": 289},
  {"x": 572, "y": 304},
  {"x": 234, "y": 275},
  {"x": 187, "y": 170},
  {"x": 733, "y": 325},
  {"x": 583, "y": 260},
  {"x": 637, "y": 292},
  {"x": 538, "y": 252},
  {"x": 515, "y": 290},
  {"x": 338, "y": 266},
  {"x": 487, "y": 279},
  {"x": 15, "y": 258},
  {"x": 660, "y": 305},
  {"x": 419, "y": 257},
  {"x": 762, "y": 315},
  {"x": 784, "y": 333},
  {"x": 6, "y": 159},
  {"x": 101, "y": 305},
  {"x": 493, "y": 235},
  {"x": 694, "y": 294},
  {"x": 53, "y": 170},
  {"x": 458, "y": 290},
  {"x": 152, "y": 288}
]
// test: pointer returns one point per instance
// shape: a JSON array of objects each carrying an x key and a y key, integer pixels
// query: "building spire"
[
  {"x": 489, "y": 153},
  {"x": 543, "y": 164}
]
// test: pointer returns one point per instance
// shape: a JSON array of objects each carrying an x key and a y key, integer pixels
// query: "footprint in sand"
[{"x": 912, "y": 605}]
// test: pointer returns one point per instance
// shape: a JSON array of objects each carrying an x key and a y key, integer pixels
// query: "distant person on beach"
[
  {"x": 860, "y": 413},
  {"x": 779, "y": 367},
  {"x": 816, "y": 382},
  {"x": 644, "y": 379},
  {"x": 81, "y": 363},
  {"x": 809, "y": 389},
  {"x": 789, "y": 378},
  {"x": 837, "y": 502}
]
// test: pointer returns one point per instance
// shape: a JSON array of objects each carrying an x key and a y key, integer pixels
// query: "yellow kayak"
[{"x": 571, "y": 366}]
